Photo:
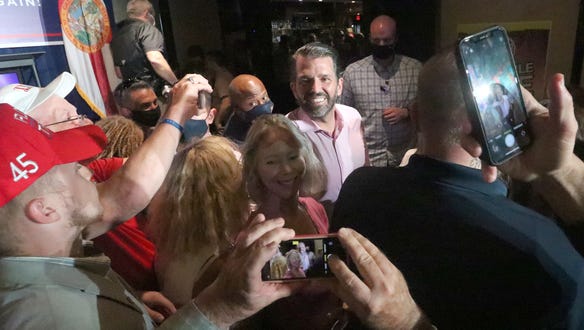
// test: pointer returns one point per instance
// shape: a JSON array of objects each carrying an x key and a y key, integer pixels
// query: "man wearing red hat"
[{"x": 47, "y": 200}]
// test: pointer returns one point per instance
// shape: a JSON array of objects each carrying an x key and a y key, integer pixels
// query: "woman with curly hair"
[
  {"x": 124, "y": 136},
  {"x": 196, "y": 215}
]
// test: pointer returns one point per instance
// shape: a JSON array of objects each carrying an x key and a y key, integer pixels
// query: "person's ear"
[
  {"x": 340, "y": 87},
  {"x": 293, "y": 89},
  {"x": 125, "y": 112},
  {"x": 40, "y": 210},
  {"x": 465, "y": 125},
  {"x": 211, "y": 116}
]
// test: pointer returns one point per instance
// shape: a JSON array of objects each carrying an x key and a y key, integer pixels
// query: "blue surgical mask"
[
  {"x": 195, "y": 128},
  {"x": 258, "y": 110}
]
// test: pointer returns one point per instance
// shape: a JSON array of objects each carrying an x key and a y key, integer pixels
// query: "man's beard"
[{"x": 317, "y": 111}]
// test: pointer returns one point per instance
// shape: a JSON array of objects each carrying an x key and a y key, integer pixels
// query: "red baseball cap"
[{"x": 28, "y": 150}]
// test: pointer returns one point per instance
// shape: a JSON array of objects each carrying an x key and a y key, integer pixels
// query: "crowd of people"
[{"x": 171, "y": 217}]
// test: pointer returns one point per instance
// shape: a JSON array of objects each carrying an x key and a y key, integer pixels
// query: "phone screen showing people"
[
  {"x": 494, "y": 95},
  {"x": 303, "y": 258}
]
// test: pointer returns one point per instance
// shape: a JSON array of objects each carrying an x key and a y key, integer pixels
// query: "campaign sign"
[{"x": 27, "y": 23}]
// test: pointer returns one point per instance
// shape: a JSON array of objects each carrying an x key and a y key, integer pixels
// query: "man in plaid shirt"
[{"x": 382, "y": 86}]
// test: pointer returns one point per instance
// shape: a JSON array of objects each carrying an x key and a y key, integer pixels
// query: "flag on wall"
[{"x": 87, "y": 34}]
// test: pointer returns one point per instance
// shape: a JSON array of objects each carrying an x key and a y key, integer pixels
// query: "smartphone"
[
  {"x": 303, "y": 257},
  {"x": 493, "y": 95}
]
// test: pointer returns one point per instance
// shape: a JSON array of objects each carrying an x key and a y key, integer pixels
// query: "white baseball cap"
[{"x": 25, "y": 98}]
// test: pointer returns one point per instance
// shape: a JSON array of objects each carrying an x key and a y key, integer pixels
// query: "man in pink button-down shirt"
[{"x": 334, "y": 129}]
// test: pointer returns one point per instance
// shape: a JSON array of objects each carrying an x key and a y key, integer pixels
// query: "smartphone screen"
[
  {"x": 303, "y": 257},
  {"x": 493, "y": 94}
]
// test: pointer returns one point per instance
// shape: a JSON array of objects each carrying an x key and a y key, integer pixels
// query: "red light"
[{"x": 358, "y": 17}]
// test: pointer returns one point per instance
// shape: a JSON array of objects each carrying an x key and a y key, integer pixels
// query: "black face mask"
[
  {"x": 147, "y": 118},
  {"x": 257, "y": 111},
  {"x": 383, "y": 52}
]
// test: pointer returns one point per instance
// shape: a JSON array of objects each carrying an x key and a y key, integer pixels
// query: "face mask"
[
  {"x": 195, "y": 128},
  {"x": 383, "y": 52},
  {"x": 147, "y": 118},
  {"x": 257, "y": 111}
]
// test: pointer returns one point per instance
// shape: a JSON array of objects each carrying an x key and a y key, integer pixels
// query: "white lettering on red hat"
[
  {"x": 32, "y": 123},
  {"x": 21, "y": 117},
  {"x": 26, "y": 167},
  {"x": 22, "y": 87}
]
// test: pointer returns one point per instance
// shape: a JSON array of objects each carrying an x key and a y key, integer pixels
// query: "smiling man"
[{"x": 334, "y": 129}]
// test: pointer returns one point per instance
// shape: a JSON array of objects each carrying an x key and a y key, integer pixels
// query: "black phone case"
[{"x": 478, "y": 130}]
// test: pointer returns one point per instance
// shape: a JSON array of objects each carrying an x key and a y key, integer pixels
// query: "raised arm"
[
  {"x": 131, "y": 188},
  {"x": 549, "y": 163},
  {"x": 161, "y": 66},
  {"x": 563, "y": 189}
]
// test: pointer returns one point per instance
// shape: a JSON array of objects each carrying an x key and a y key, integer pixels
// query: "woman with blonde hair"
[
  {"x": 196, "y": 215},
  {"x": 285, "y": 178},
  {"x": 279, "y": 166},
  {"x": 294, "y": 265}
]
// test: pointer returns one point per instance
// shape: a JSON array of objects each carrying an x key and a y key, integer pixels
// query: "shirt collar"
[
  {"x": 389, "y": 71},
  {"x": 456, "y": 175},
  {"x": 99, "y": 264},
  {"x": 306, "y": 124}
]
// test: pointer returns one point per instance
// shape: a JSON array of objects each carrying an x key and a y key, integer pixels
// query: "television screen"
[{"x": 9, "y": 77}]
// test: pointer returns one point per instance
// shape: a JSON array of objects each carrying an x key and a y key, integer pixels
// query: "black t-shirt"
[{"x": 129, "y": 46}]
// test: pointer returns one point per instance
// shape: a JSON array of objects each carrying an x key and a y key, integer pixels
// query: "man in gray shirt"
[{"x": 381, "y": 87}]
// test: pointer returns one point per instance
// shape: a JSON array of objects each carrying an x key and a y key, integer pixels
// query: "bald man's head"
[
  {"x": 383, "y": 37},
  {"x": 247, "y": 91},
  {"x": 383, "y": 26}
]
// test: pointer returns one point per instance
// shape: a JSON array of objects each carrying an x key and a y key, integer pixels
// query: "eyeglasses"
[{"x": 72, "y": 118}]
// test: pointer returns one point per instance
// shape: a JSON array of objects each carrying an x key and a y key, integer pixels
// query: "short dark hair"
[
  {"x": 126, "y": 87},
  {"x": 314, "y": 50}
]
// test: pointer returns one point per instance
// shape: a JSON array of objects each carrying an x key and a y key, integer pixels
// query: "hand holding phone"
[
  {"x": 493, "y": 95},
  {"x": 303, "y": 257}
]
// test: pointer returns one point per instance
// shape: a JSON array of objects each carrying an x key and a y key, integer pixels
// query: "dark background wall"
[{"x": 241, "y": 27}]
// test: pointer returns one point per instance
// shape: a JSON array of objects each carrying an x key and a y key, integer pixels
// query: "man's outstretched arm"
[
  {"x": 132, "y": 187},
  {"x": 161, "y": 66},
  {"x": 549, "y": 162}
]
